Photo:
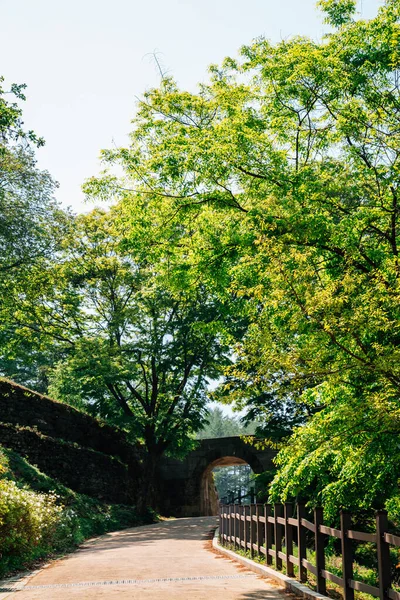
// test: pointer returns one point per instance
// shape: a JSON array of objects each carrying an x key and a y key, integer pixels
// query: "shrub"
[
  {"x": 32, "y": 525},
  {"x": 40, "y": 517}
]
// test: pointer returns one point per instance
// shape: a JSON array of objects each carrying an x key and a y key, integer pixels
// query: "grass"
[{"x": 41, "y": 518}]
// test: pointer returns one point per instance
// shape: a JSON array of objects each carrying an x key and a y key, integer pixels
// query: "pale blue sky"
[{"x": 85, "y": 61}]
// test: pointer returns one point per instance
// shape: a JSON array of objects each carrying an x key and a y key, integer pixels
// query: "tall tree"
[
  {"x": 285, "y": 170},
  {"x": 133, "y": 348},
  {"x": 28, "y": 210}
]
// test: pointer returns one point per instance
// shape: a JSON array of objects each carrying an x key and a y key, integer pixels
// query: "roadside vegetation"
[{"x": 40, "y": 518}]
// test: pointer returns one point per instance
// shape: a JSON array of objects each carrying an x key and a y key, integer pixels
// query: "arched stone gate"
[{"x": 185, "y": 484}]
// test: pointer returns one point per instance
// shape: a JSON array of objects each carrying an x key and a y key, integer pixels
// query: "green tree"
[
  {"x": 31, "y": 227},
  {"x": 27, "y": 206},
  {"x": 283, "y": 174},
  {"x": 346, "y": 456},
  {"x": 133, "y": 349},
  {"x": 233, "y": 483}
]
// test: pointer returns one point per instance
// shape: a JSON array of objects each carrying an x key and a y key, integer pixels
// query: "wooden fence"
[{"x": 271, "y": 531}]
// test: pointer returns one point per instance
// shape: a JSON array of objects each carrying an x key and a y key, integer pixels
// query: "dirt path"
[{"x": 172, "y": 560}]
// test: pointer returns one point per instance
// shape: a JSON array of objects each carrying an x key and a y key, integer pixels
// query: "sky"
[{"x": 87, "y": 61}]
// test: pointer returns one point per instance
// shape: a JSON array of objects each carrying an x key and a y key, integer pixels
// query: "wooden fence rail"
[{"x": 270, "y": 531}]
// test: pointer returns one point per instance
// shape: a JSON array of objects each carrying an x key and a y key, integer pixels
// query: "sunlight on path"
[{"x": 172, "y": 560}]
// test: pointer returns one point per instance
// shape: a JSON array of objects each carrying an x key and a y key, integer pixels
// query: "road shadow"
[{"x": 198, "y": 528}]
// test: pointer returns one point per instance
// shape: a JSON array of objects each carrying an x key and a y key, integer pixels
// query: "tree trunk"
[{"x": 149, "y": 488}]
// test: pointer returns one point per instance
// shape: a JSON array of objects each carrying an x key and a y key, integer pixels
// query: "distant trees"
[
  {"x": 221, "y": 425},
  {"x": 234, "y": 483}
]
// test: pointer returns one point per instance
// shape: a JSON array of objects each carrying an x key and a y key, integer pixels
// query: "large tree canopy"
[
  {"x": 132, "y": 347},
  {"x": 283, "y": 174}
]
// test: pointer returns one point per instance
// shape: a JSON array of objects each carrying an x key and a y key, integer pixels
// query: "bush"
[
  {"x": 32, "y": 525},
  {"x": 39, "y": 517}
]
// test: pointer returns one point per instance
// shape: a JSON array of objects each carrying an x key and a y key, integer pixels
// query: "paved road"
[{"x": 172, "y": 560}]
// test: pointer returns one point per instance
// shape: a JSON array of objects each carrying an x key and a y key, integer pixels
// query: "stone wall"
[
  {"x": 93, "y": 458},
  {"x": 186, "y": 489},
  {"x": 81, "y": 452},
  {"x": 21, "y": 406}
]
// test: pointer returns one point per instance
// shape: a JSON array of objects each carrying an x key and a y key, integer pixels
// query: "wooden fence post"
[
  {"x": 347, "y": 555},
  {"x": 226, "y": 526},
  {"x": 243, "y": 522},
  {"x": 237, "y": 525},
  {"x": 252, "y": 529},
  {"x": 248, "y": 524},
  {"x": 288, "y": 538},
  {"x": 234, "y": 526},
  {"x": 240, "y": 526},
  {"x": 237, "y": 520},
  {"x": 221, "y": 521},
  {"x": 301, "y": 541},
  {"x": 246, "y": 537},
  {"x": 230, "y": 523},
  {"x": 268, "y": 534},
  {"x": 278, "y": 513},
  {"x": 319, "y": 550},
  {"x": 383, "y": 554},
  {"x": 259, "y": 529}
]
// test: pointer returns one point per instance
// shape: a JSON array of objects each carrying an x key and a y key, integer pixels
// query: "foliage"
[
  {"x": 271, "y": 404},
  {"x": 11, "y": 124},
  {"x": 284, "y": 169},
  {"x": 40, "y": 517},
  {"x": 32, "y": 524},
  {"x": 29, "y": 213},
  {"x": 31, "y": 225},
  {"x": 133, "y": 348},
  {"x": 233, "y": 482},
  {"x": 338, "y": 12},
  {"x": 346, "y": 456}
]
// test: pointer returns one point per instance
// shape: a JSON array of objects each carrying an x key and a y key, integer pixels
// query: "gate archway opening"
[
  {"x": 183, "y": 488},
  {"x": 226, "y": 479}
]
